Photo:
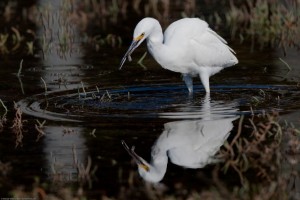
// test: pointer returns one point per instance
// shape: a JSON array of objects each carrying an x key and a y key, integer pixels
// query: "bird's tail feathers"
[{"x": 219, "y": 37}]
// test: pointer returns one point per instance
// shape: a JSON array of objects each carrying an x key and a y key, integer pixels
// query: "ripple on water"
[{"x": 164, "y": 101}]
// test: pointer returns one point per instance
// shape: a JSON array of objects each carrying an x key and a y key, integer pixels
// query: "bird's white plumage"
[
  {"x": 188, "y": 46},
  {"x": 187, "y": 27},
  {"x": 190, "y": 143}
]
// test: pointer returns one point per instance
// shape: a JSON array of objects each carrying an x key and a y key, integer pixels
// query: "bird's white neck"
[
  {"x": 157, "y": 169},
  {"x": 156, "y": 35},
  {"x": 156, "y": 46}
]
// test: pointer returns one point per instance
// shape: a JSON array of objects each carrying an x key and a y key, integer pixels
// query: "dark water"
[{"x": 89, "y": 106}]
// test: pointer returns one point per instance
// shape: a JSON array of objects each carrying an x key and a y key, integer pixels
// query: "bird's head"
[
  {"x": 141, "y": 32},
  {"x": 147, "y": 171}
]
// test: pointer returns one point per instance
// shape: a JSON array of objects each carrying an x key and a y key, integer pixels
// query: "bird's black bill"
[
  {"x": 132, "y": 153},
  {"x": 128, "y": 53}
]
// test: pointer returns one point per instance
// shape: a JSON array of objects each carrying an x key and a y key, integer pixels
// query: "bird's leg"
[
  {"x": 188, "y": 82},
  {"x": 204, "y": 77}
]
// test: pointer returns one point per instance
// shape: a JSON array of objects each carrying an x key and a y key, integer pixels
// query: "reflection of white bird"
[
  {"x": 188, "y": 46},
  {"x": 188, "y": 143}
]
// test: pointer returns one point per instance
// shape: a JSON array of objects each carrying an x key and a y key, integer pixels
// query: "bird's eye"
[{"x": 142, "y": 34}]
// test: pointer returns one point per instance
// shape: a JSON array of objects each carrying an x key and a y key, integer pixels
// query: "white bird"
[
  {"x": 188, "y": 46},
  {"x": 188, "y": 143}
]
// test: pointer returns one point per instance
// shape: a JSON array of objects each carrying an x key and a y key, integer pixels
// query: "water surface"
[{"x": 89, "y": 107}]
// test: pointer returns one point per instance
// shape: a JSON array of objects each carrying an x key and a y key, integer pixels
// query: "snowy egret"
[
  {"x": 188, "y": 46},
  {"x": 188, "y": 143}
]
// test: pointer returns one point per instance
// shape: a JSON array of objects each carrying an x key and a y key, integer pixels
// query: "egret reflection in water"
[{"x": 190, "y": 143}]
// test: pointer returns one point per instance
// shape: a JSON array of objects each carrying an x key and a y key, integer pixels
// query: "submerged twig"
[
  {"x": 286, "y": 64},
  {"x": 109, "y": 96},
  {"x": 20, "y": 68},
  {"x": 3, "y": 105},
  {"x": 239, "y": 131},
  {"x": 21, "y": 84},
  {"x": 45, "y": 85},
  {"x": 140, "y": 61},
  {"x": 83, "y": 89},
  {"x": 39, "y": 128},
  {"x": 97, "y": 89},
  {"x": 93, "y": 132}
]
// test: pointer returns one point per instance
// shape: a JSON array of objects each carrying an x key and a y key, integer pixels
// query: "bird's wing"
[
  {"x": 213, "y": 135},
  {"x": 211, "y": 50},
  {"x": 195, "y": 37}
]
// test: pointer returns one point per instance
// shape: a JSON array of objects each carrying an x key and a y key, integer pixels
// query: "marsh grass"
[
  {"x": 85, "y": 172},
  {"x": 62, "y": 29},
  {"x": 17, "y": 127},
  {"x": 3, "y": 43},
  {"x": 107, "y": 96},
  {"x": 259, "y": 151},
  {"x": 10, "y": 41},
  {"x": 99, "y": 41},
  {"x": 269, "y": 22},
  {"x": 74, "y": 19},
  {"x": 265, "y": 22},
  {"x": 58, "y": 32},
  {"x": 101, "y": 96},
  {"x": 3, "y": 118}
]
